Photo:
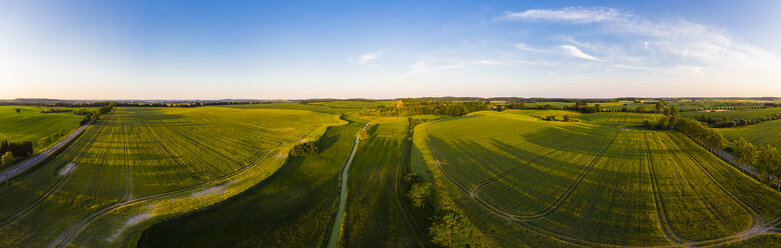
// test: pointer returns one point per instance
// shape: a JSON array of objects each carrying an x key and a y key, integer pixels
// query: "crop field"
[
  {"x": 152, "y": 163},
  {"x": 597, "y": 182},
  {"x": 292, "y": 208},
  {"x": 31, "y": 125},
  {"x": 768, "y": 132}
]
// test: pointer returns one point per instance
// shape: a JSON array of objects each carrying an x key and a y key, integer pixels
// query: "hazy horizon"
[{"x": 182, "y": 50}]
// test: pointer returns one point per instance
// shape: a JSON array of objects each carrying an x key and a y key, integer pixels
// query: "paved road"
[{"x": 20, "y": 168}]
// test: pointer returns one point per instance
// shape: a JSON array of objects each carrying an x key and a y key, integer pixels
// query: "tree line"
[
  {"x": 691, "y": 128},
  {"x": 727, "y": 122},
  {"x": 766, "y": 159},
  {"x": 19, "y": 149},
  {"x": 408, "y": 107},
  {"x": 94, "y": 115}
]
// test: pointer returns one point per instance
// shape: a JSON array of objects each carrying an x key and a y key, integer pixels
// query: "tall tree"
[{"x": 7, "y": 159}]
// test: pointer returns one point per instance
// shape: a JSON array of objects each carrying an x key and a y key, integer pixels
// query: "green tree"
[
  {"x": 660, "y": 105},
  {"x": 745, "y": 151},
  {"x": 769, "y": 158},
  {"x": 43, "y": 142},
  {"x": 7, "y": 159},
  {"x": 451, "y": 229},
  {"x": 597, "y": 108},
  {"x": 640, "y": 109},
  {"x": 418, "y": 193},
  {"x": 362, "y": 134},
  {"x": 673, "y": 111}
]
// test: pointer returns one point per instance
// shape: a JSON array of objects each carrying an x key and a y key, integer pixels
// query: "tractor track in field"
[
  {"x": 65, "y": 238},
  {"x": 758, "y": 223},
  {"x": 187, "y": 169},
  {"x": 29, "y": 208},
  {"x": 128, "y": 177},
  {"x": 661, "y": 212},
  {"x": 759, "y": 228},
  {"x": 474, "y": 193},
  {"x": 241, "y": 166}
]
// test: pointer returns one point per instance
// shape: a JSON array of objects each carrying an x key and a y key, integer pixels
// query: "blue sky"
[{"x": 342, "y": 49}]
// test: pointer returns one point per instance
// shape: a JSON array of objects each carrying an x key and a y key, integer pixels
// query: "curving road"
[{"x": 20, "y": 168}]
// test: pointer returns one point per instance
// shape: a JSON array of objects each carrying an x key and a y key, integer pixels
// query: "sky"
[{"x": 388, "y": 49}]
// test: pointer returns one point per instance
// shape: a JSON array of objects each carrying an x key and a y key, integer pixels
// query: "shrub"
[{"x": 305, "y": 149}]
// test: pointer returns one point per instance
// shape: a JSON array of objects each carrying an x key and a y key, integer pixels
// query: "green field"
[
  {"x": 220, "y": 176},
  {"x": 595, "y": 182},
  {"x": 293, "y": 208},
  {"x": 145, "y": 164},
  {"x": 31, "y": 125},
  {"x": 768, "y": 132}
]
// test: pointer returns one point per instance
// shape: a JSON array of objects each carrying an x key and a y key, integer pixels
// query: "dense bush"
[{"x": 305, "y": 149}]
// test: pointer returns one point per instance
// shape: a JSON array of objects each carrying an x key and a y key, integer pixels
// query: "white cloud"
[
  {"x": 569, "y": 14},
  {"x": 365, "y": 58},
  {"x": 575, "y": 52},
  {"x": 524, "y": 47}
]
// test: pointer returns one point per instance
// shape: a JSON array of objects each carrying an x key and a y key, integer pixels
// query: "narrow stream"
[{"x": 336, "y": 229}]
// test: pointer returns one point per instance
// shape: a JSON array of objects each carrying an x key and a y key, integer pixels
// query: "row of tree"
[
  {"x": 45, "y": 141},
  {"x": 727, "y": 122},
  {"x": 19, "y": 149},
  {"x": 565, "y": 118},
  {"x": 94, "y": 115},
  {"x": 694, "y": 129},
  {"x": 766, "y": 159},
  {"x": 408, "y": 107}
]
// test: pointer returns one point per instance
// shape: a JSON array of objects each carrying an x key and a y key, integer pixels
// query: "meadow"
[
  {"x": 32, "y": 125},
  {"x": 146, "y": 164},
  {"x": 765, "y": 133}
]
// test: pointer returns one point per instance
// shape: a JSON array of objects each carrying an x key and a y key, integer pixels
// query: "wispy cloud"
[
  {"x": 575, "y": 52},
  {"x": 678, "y": 49},
  {"x": 569, "y": 14},
  {"x": 524, "y": 47},
  {"x": 366, "y": 58}
]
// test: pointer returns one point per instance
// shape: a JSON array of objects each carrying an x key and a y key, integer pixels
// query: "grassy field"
[
  {"x": 600, "y": 181},
  {"x": 293, "y": 208},
  {"x": 768, "y": 132},
  {"x": 146, "y": 164},
  {"x": 31, "y": 125}
]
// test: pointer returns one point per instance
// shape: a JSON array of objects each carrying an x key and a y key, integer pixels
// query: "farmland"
[
  {"x": 31, "y": 125},
  {"x": 143, "y": 164},
  {"x": 221, "y": 176},
  {"x": 561, "y": 180},
  {"x": 761, "y": 133}
]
